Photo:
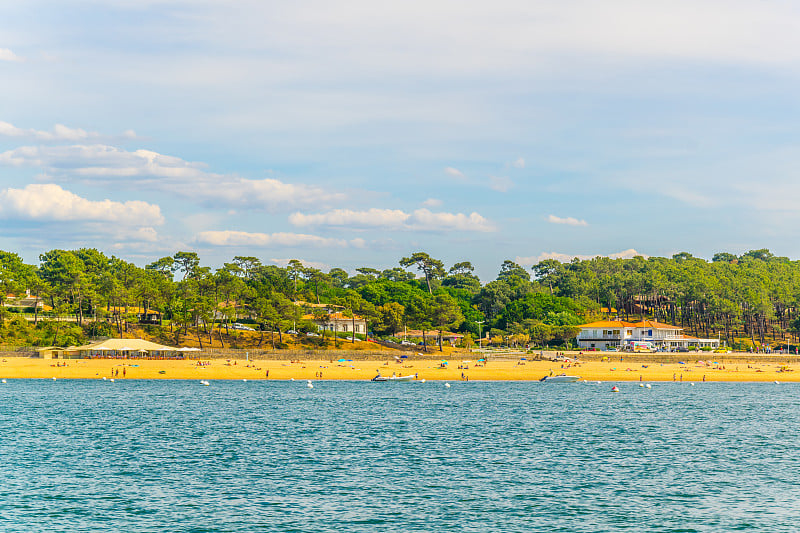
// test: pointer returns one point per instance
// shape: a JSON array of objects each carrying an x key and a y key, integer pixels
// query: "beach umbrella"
[{"x": 342, "y": 360}]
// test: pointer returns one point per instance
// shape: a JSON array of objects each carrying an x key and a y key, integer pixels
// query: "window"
[{"x": 344, "y": 327}]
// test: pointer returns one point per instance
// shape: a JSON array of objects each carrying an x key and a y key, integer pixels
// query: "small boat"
[
  {"x": 410, "y": 377},
  {"x": 562, "y": 378}
]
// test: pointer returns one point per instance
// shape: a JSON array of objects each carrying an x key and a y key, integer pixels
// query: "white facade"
[
  {"x": 338, "y": 322},
  {"x": 618, "y": 334}
]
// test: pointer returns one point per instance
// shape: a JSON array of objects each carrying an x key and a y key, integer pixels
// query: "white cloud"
[
  {"x": 270, "y": 194},
  {"x": 345, "y": 217},
  {"x": 500, "y": 184},
  {"x": 141, "y": 235},
  {"x": 49, "y": 202},
  {"x": 103, "y": 163},
  {"x": 8, "y": 55},
  {"x": 519, "y": 163},
  {"x": 627, "y": 254},
  {"x": 566, "y": 258},
  {"x": 454, "y": 172},
  {"x": 98, "y": 161},
  {"x": 243, "y": 238},
  {"x": 423, "y": 219},
  {"x": 569, "y": 221},
  {"x": 59, "y": 132},
  {"x": 432, "y": 202},
  {"x": 420, "y": 219}
]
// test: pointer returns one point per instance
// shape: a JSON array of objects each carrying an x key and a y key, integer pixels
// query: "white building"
[
  {"x": 339, "y": 322},
  {"x": 619, "y": 334}
]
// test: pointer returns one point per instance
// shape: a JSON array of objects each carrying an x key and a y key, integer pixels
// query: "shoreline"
[{"x": 364, "y": 370}]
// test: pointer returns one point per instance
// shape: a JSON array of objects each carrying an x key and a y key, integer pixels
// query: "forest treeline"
[{"x": 748, "y": 299}]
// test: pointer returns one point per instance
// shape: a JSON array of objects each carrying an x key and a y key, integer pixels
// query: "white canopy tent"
[{"x": 129, "y": 347}]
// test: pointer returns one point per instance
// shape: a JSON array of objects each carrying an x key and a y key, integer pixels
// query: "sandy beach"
[{"x": 495, "y": 370}]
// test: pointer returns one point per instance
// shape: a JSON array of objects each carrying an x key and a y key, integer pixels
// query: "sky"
[{"x": 352, "y": 134}]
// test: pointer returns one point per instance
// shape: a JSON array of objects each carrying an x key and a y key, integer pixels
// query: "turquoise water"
[{"x": 343, "y": 456}]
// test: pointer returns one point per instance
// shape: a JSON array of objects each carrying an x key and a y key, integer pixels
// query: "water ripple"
[{"x": 276, "y": 456}]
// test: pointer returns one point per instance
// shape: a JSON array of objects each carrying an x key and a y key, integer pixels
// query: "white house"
[
  {"x": 339, "y": 322},
  {"x": 620, "y": 334}
]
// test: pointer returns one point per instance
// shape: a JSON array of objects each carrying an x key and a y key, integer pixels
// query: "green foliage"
[
  {"x": 548, "y": 309},
  {"x": 744, "y": 298}
]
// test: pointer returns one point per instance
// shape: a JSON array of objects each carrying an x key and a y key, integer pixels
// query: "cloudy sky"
[{"x": 355, "y": 133}]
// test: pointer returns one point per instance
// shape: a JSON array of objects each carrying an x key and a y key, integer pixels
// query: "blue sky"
[{"x": 355, "y": 133}]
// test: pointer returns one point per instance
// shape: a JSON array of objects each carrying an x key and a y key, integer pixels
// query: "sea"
[{"x": 175, "y": 456}]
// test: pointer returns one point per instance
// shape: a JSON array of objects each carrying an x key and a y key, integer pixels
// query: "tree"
[
  {"x": 432, "y": 268},
  {"x": 246, "y": 264},
  {"x": 186, "y": 262},
  {"x": 461, "y": 276},
  {"x": 295, "y": 269},
  {"x": 510, "y": 270},
  {"x": 761, "y": 255},
  {"x": 392, "y": 317},
  {"x": 338, "y": 277},
  {"x": 419, "y": 315},
  {"x": 371, "y": 272},
  {"x": 315, "y": 277},
  {"x": 548, "y": 271},
  {"x": 397, "y": 274},
  {"x": 64, "y": 272},
  {"x": 445, "y": 314},
  {"x": 724, "y": 257}
]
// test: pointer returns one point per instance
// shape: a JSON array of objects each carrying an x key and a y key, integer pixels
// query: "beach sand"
[{"x": 495, "y": 370}]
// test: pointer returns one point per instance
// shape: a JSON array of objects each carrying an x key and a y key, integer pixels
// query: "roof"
[
  {"x": 651, "y": 324},
  {"x": 654, "y": 325},
  {"x": 301, "y": 303},
  {"x": 132, "y": 345},
  {"x": 331, "y": 316},
  {"x": 131, "y": 309},
  {"x": 607, "y": 324},
  {"x": 428, "y": 333}
]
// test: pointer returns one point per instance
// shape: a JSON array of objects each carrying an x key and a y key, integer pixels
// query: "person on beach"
[
  {"x": 266, "y": 376},
  {"x": 123, "y": 372}
]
